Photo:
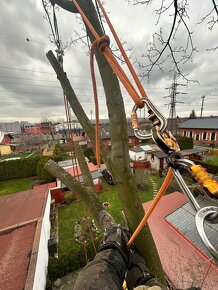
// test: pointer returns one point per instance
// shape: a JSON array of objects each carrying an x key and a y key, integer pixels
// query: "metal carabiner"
[
  {"x": 195, "y": 205},
  {"x": 155, "y": 116},
  {"x": 200, "y": 218}
]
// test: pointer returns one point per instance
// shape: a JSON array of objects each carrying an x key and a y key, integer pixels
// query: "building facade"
[{"x": 202, "y": 131}]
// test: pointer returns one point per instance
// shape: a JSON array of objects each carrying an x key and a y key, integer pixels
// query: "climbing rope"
[
  {"x": 165, "y": 140},
  {"x": 103, "y": 45},
  {"x": 97, "y": 137},
  {"x": 154, "y": 203}
]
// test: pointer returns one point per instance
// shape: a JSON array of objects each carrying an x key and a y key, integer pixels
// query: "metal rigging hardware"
[{"x": 167, "y": 143}]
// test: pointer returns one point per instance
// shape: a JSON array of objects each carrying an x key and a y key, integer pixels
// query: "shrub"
[
  {"x": 44, "y": 174},
  {"x": 20, "y": 168},
  {"x": 59, "y": 267},
  {"x": 58, "y": 151},
  {"x": 69, "y": 197},
  {"x": 184, "y": 142},
  {"x": 89, "y": 153}
]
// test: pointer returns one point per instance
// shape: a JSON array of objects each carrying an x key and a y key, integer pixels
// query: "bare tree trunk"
[
  {"x": 75, "y": 104},
  {"x": 118, "y": 160},
  {"x": 87, "y": 195},
  {"x": 87, "y": 177}
]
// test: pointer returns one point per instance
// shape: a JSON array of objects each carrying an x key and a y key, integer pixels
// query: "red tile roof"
[
  {"x": 183, "y": 263},
  {"x": 22, "y": 206},
  {"x": 45, "y": 185},
  {"x": 79, "y": 138},
  {"x": 20, "y": 221},
  {"x": 15, "y": 250},
  {"x": 75, "y": 171}
]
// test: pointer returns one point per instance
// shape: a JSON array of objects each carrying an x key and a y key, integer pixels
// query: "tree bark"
[
  {"x": 75, "y": 104},
  {"x": 118, "y": 160},
  {"x": 86, "y": 195},
  {"x": 87, "y": 177}
]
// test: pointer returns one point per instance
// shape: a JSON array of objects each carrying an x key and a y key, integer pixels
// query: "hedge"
[
  {"x": 59, "y": 267},
  {"x": 44, "y": 174},
  {"x": 213, "y": 169},
  {"x": 20, "y": 168},
  {"x": 184, "y": 142},
  {"x": 27, "y": 167}
]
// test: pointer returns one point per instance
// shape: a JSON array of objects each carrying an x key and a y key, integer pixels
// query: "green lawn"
[
  {"x": 69, "y": 214},
  {"x": 21, "y": 155},
  {"x": 212, "y": 159},
  {"x": 15, "y": 185}
]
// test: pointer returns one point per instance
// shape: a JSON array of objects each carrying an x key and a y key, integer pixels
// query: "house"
[
  {"x": 185, "y": 259},
  {"x": 75, "y": 171},
  {"x": 24, "y": 235},
  {"x": 39, "y": 128},
  {"x": 81, "y": 140},
  {"x": 158, "y": 159},
  {"x": 106, "y": 138},
  {"x": 5, "y": 143},
  {"x": 14, "y": 127},
  {"x": 202, "y": 131}
]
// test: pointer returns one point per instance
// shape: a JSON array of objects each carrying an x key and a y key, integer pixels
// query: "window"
[
  {"x": 197, "y": 136},
  {"x": 184, "y": 133},
  {"x": 190, "y": 134},
  {"x": 204, "y": 135},
  {"x": 212, "y": 136}
]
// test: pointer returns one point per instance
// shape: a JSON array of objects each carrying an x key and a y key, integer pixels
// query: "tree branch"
[
  {"x": 87, "y": 177},
  {"x": 66, "y": 4},
  {"x": 88, "y": 197},
  {"x": 75, "y": 104}
]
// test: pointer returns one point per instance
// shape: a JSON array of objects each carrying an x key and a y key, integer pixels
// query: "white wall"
[
  {"x": 137, "y": 155},
  {"x": 155, "y": 162},
  {"x": 42, "y": 258},
  {"x": 95, "y": 181}
]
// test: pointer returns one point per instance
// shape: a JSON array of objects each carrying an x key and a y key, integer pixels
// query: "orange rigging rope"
[
  {"x": 134, "y": 75},
  {"x": 97, "y": 141},
  {"x": 154, "y": 203},
  {"x": 103, "y": 44}
]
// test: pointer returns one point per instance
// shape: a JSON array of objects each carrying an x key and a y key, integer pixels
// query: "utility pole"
[
  {"x": 202, "y": 105},
  {"x": 173, "y": 126}
]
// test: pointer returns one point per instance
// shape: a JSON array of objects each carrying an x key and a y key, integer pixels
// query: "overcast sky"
[{"x": 30, "y": 91}]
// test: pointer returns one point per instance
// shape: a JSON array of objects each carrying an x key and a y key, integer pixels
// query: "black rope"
[{"x": 99, "y": 16}]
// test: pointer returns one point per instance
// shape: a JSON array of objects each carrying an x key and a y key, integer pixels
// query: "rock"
[{"x": 57, "y": 283}]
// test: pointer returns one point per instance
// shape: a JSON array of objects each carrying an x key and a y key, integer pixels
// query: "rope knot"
[{"x": 103, "y": 42}]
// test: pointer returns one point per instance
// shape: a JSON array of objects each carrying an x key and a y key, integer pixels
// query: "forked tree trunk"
[{"x": 118, "y": 159}]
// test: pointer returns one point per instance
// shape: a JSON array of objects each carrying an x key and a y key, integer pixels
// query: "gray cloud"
[{"x": 29, "y": 88}]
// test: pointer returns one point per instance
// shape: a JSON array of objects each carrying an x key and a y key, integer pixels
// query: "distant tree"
[
  {"x": 57, "y": 150},
  {"x": 192, "y": 115},
  {"x": 50, "y": 125}
]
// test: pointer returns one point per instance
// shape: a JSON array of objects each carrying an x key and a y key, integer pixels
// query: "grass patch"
[
  {"x": 21, "y": 155},
  {"x": 67, "y": 217},
  {"x": 212, "y": 159},
  {"x": 69, "y": 214},
  {"x": 15, "y": 185}
]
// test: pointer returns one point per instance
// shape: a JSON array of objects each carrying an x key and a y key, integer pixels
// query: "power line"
[
  {"x": 82, "y": 84},
  {"x": 43, "y": 86}
]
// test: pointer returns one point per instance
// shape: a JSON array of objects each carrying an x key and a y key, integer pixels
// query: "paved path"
[{"x": 155, "y": 190}]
